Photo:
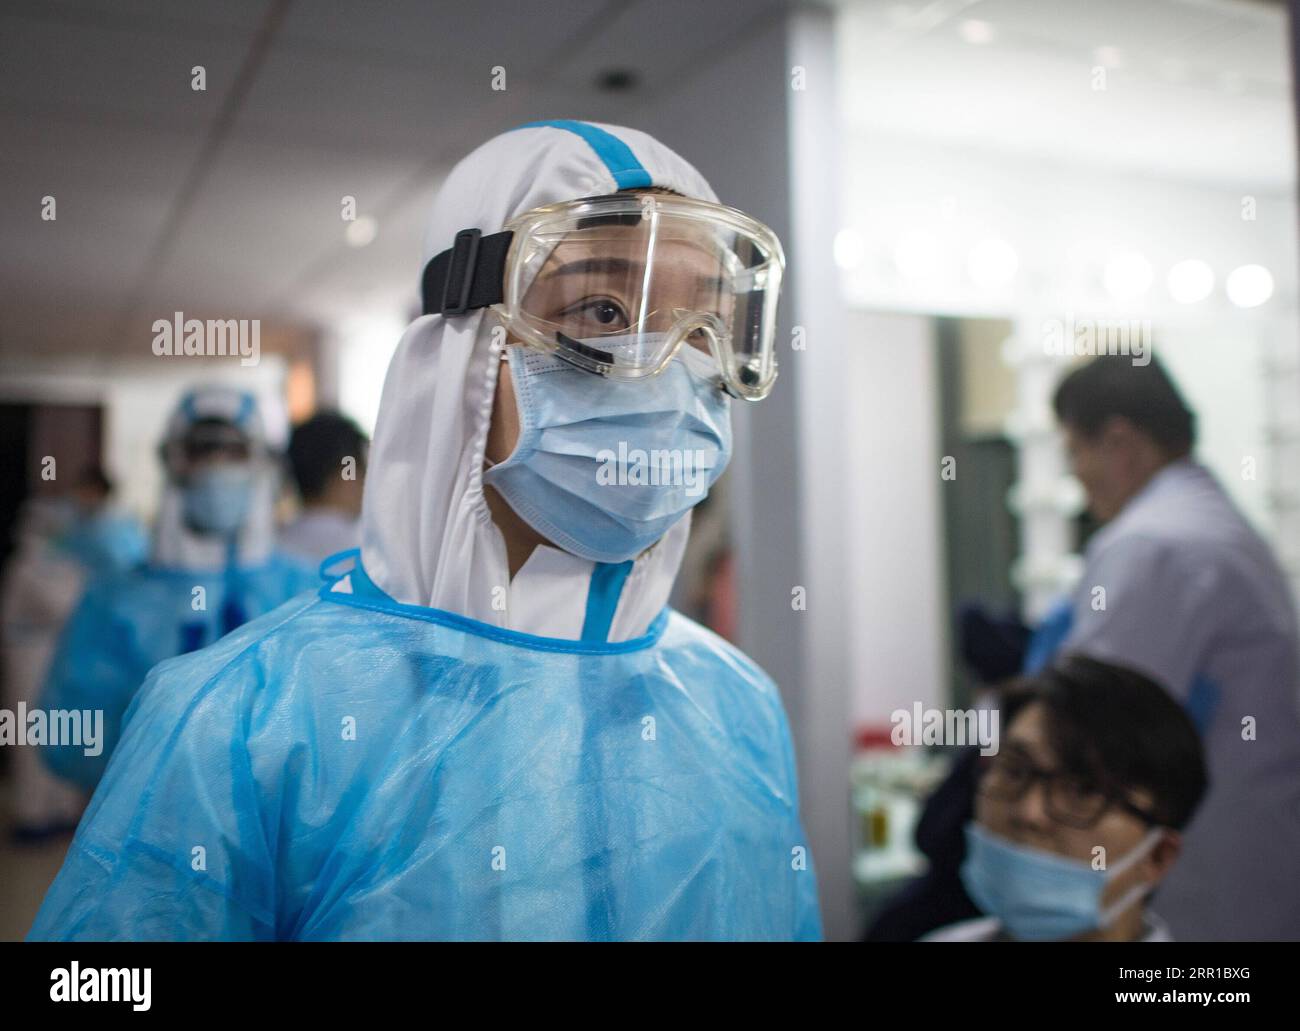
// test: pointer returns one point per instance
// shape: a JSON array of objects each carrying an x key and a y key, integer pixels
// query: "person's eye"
[{"x": 600, "y": 313}]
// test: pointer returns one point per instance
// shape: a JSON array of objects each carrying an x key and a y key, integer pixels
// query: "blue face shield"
[
  {"x": 1042, "y": 896},
  {"x": 216, "y": 499},
  {"x": 605, "y": 468}
]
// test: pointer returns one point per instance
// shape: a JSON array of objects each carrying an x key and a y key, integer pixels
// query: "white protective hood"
[
  {"x": 427, "y": 535},
  {"x": 175, "y": 545}
]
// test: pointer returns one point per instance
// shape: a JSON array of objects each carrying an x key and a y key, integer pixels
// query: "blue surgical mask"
[
  {"x": 604, "y": 467},
  {"x": 216, "y": 499},
  {"x": 1042, "y": 896}
]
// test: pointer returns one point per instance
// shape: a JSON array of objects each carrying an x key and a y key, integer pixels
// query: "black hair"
[
  {"x": 1112, "y": 727},
  {"x": 1111, "y": 385},
  {"x": 317, "y": 448}
]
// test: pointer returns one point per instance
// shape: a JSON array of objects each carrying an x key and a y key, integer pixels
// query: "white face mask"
[
  {"x": 1042, "y": 896},
  {"x": 216, "y": 499},
  {"x": 585, "y": 473}
]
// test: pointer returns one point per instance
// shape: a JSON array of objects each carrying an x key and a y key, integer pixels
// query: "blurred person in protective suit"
[{"x": 212, "y": 567}]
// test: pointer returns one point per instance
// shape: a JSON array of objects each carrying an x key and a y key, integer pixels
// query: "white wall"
[
  {"x": 893, "y": 579},
  {"x": 362, "y": 349}
]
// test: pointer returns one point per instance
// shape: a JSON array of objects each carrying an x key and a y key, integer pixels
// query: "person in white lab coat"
[
  {"x": 327, "y": 455},
  {"x": 1179, "y": 586}
]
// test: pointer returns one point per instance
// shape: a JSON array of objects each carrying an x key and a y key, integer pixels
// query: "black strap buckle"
[
  {"x": 468, "y": 275},
  {"x": 460, "y": 272}
]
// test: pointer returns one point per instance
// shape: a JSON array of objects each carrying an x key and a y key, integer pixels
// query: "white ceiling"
[
  {"x": 1197, "y": 89},
  {"x": 227, "y": 202}
]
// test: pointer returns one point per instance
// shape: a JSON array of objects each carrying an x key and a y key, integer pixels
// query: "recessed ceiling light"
[
  {"x": 361, "y": 231},
  {"x": 1108, "y": 56},
  {"x": 973, "y": 30}
]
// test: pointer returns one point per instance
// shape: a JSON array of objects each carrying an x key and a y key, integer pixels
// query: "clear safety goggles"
[
  {"x": 617, "y": 285},
  {"x": 208, "y": 440}
]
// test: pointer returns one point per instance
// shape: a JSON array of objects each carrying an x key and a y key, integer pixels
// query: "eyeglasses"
[{"x": 1069, "y": 799}]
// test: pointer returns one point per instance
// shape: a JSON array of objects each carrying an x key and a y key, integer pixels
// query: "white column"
[{"x": 1044, "y": 496}]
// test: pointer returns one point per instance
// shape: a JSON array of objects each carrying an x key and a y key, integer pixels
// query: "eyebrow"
[{"x": 585, "y": 266}]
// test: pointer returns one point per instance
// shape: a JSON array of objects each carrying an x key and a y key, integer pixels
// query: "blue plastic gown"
[
  {"x": 107, "y": 542},
  {"x": 351, "y": 768},
  {"x": 127, "y": 623}
]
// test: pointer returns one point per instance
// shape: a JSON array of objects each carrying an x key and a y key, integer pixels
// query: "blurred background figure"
[
  {"x": 706, "y": 588},
  {"x": 1079, "y": 816},
  {"x": 104, "y": 539},
  {"x": 63, "y": 542},
  {"x": 42, "y": 582},
  {"x": 213, "y": 566},
  {"x": 1177, "y": 584},
  {"x": 327, "y": 456}
]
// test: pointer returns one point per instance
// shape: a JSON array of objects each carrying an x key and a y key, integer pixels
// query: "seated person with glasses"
[{"x": 1078, "y": 817}]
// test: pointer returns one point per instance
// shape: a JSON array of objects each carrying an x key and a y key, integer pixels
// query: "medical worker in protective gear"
[
  {"x": 488, "y": 724},
  {"x": 212, "y": 568}
]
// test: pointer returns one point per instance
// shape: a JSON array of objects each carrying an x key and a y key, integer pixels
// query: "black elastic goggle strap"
[{"x": 470, "y": 275}]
